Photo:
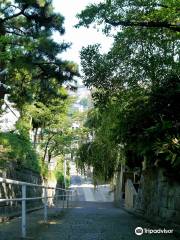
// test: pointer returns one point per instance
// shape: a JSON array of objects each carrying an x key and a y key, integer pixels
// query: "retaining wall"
[
  {"x": 158, "y": 197},
  {"x": 9, "y": 209}
]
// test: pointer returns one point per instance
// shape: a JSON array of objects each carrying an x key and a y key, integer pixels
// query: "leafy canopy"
[{"x": 135, "y": 86}]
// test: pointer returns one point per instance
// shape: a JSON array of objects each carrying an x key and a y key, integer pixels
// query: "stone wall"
[
  {"x": 158, "y": 197},
  {"x": 130, "y": 194},
  {"x": 8, "y": 209}
]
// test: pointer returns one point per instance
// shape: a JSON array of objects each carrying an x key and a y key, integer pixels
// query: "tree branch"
[
  {"x": 166, "y": 6},
  {"x": 11, "y": 5},
  {"x": 17, "y": 31},
  {"x": 46, "y": 147},
  {"x": 14, "y": 33},
  {"x": 15, "y": 15},
  {"x": 148, "y": 24}
]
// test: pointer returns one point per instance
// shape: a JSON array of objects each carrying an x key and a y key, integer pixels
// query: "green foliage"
[
  {"x": 100, "y": 152},
  {"x": 23, "y": 126},
  {"x": 140, "y": 56},
  {"x": 135, "y": 13},
  {"x": 137, "y": 59},
  {"x": 58, "y": 172},
  {"x": 136, "y": 125},
  {"x": 30, "y": 64},
  {"x": 30, "y": 56},
  {"x": 18, "y": 150},
  {"x": 168, "y": 150},
  {"x": 101, "y": 156},
  {"x": 135, "y": 86}
]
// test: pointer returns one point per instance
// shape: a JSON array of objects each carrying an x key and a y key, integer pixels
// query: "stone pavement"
[
  {"x": 97, "y": 221},
  {"x": 85, "y": 221},
  {"x": 92, "y": 217}
]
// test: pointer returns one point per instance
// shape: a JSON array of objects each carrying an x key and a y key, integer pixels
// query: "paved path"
[
  {"x": 86, "y": 221},
  {"x": 86, "y": 191},
  {"x": 96, "y": 221},
  {"x": 92, "y": 217}
]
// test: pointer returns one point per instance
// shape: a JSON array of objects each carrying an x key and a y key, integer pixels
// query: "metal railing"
[{"x": 67, "y": 196}]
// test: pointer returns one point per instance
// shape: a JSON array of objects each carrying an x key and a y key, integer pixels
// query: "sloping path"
[
  {"x": 97, "y": 221},
  {"x": 92, "y": 217},
  {"x": 86, "y": 221}
]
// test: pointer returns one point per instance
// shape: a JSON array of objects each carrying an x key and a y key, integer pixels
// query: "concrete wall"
[
  {"x": 14, "y": 191},
  {"x": 158, "y": 197},
  {"x": 118, "y": 188},
  {"x": 130, "y": 194}
]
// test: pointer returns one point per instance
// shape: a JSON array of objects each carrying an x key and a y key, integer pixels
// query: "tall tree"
[
  {"x": 26, "y": 43},
  {"x": 133, "y": 111},
  {"x": 133, "y": 13}
]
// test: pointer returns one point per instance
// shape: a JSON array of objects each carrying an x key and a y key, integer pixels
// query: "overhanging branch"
[{"x": 147, "y": 24}]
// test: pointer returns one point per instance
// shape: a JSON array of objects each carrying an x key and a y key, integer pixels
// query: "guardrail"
[{"x": 67, "y": 195}]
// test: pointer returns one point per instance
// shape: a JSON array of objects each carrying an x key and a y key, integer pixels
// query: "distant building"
[
  {"x": 9, "y": 116},
  {"x": 75, "y": 125}
]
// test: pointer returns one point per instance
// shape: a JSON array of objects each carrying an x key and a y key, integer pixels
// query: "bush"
[{"x": 18, "y": 149}]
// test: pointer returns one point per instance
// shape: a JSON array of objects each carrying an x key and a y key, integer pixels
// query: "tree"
[
  {"x": 139, "y": 55},
  {"x": 31, "y": 66},
  {"x": 135, "y": 85},
  {"x": 135, "y": 13},
  {"x": 34, "y": 71},
  {"x": 137, "y": 58},
  {"x": 26, "y": 30}
]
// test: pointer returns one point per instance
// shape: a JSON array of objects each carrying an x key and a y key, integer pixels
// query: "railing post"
[
  {"x": 71, "y": 198},
  {"x": 23, "y": 223},
  {"x": 45, "y": 204},
  {"x": 63, "y": 198},
  {"x": 56, "y": 194},
  {"x": 67, "y": 194}
]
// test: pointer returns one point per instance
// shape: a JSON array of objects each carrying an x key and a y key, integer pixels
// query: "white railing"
[{"x": 67, "y": 196}]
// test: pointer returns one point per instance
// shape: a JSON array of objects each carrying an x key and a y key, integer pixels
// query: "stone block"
[
  {"x": 164, "y": 202},
  {"x": 162, "y": 211},
  {"x": 167, "y": 213},
  {"x": 171, "y": 191},
  {"x": 178, "y": 191},
  {"x": 170, "y": 214},
  {"x": 171, "y": 202},
  {"x": 177, "y": 203},
  {"x": 163, "y": 191},
  {"x": 176, "y": 218},
  {"x": 162, "y": 177}
]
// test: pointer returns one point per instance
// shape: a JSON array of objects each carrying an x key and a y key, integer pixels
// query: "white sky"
[{"x": 78, "y": 37}]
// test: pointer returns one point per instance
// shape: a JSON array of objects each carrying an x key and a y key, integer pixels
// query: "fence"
[{"x": 66, "y": 195}]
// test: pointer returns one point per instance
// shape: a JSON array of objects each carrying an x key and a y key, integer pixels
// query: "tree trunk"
[
  {"x": 46, "y": 147},
  {"x": 49, "y": 157},
  {"x": 35, "y": 137}
]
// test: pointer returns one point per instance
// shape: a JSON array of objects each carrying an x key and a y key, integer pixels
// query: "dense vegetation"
[
  {"x": 18, "y": 150},
  {"x": 135, "y": 87},
  {"x": 34, "y": 73}
]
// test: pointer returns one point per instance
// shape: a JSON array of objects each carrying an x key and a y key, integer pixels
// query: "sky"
[{"x": 78, "y": 37}]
